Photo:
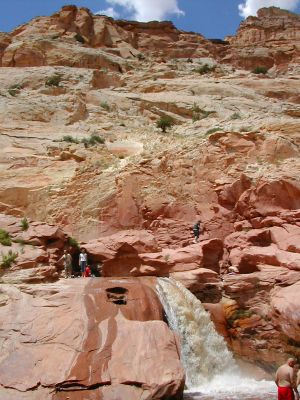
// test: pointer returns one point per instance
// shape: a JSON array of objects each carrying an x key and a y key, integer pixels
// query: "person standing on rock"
[
  {"x": 82, "y": 262},
  {"x": 286, "y": 381},
  {"x": 67, "y": 259},
  {"x": 196, "y": 231}
]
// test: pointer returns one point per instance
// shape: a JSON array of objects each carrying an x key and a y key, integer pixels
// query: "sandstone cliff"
[{"x": 80, "y": 97}]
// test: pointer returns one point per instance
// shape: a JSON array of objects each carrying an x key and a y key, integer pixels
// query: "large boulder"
[
  {"x": 285, "y": 307},
  {"x": 118, "y": 340}
]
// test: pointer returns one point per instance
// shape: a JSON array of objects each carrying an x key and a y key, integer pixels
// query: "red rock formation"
[
  {"x": 105, "y": 336},
  {"x": 270, "y": 39}
]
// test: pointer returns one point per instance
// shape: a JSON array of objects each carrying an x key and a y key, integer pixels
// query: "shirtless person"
[{"x": 285, "y": 381}]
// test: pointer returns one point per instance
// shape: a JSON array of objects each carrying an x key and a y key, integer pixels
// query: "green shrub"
[
  {"x": 140, "y": 56},
  {"x": 54, "y": 80},
  {"x": 73, "y": 242},
  {"x": 236, "y": 116},
  {"x": 105, "y": 105},
  {"x": 238, "y": 314},
  {"x": 165, "y": 122},
  {"x": 212, "y": 130},
  {"x": 199, "y": 113},
  {"x": 24, "y": 224},
  {"x": 5, "y": 239},
  {"x": 79, "y": 38},
  {"x": 205, "y": 69},
  {"x": 260, "y": 70},
  {"x": 8, "y": 259},
  {"x": 70, "y": 139},
  {"x": 92, "y": 140},
  {"x": 13, "y": 90}
]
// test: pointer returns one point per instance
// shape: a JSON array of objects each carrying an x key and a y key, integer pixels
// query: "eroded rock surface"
[{"x": 101, "y": 337}]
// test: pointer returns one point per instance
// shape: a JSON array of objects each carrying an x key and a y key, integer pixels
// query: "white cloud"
[
  {"x": 110, "y": 12},
  {"x": 250, "y": 7},
  {"x": 145, "y": 10}
]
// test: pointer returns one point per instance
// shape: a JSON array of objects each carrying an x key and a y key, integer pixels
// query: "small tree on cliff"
[{"x": 165, "y": 122}]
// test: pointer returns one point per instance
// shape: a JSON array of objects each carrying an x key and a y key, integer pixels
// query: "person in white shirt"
[{"x": 82, "y": 262}]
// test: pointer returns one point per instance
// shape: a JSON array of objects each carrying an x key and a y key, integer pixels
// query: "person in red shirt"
[{"x": 87, "y": 272}]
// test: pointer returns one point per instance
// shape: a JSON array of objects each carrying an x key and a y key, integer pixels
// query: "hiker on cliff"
[
  {"x": 196, "y": 231},
  {"x": 67, "y": 260},
  {"x": 82, "y": 262},
  {"x": 286, "y": 381}
]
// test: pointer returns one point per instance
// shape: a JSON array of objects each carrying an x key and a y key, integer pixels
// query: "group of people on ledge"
[
  {"x": 85, "y": 269},
  {"x": 287, "y": 380}
]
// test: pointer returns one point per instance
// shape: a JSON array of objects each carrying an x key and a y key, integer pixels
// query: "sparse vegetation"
[
  {"x": 73, "y": 242},
  {"x": 21, "y": 242},
  {"x": 189, "y": 60},
  {"x": 165, "y": 122},
  {"x": 70, "y": 139},
  {"x": 24, "y": 224},
  {"x": 5, "y": 239},
  {"x": 140, "y": 56},
  {"x": 14, "y": 89},
  {"x": 260, "y": 70},
  {"x": 205, "y": 69},
  {"x": 236, "y": 115},
  {"x": 245, "y": 128},
  {"x": 238, "y": 314},
  {"x": 199, "y": 113},
  {"x": 93, "y": 140},
  {"x": 54, "y": 80},
  {"x": 79, "y": 38},
  {"x": 8, "y": 259},
  {"x": 105, "y": 105},
  {"x": 212, "y": 130}
]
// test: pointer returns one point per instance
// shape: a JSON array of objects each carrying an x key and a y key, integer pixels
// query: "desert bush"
[
  {"x": 238, "y": 314},
  {"x": 79, "y": 38},
  {"x": 165, "y": 122},
  {"x": 235, "y": 116},
  {"x": 8, "y": 259},
  {"x": 54, "y": 80},
  {"x": 5, "y": 239},
  {"x": 70, "y": 139},
  {"x": 73, "y": 242},
  {"x": 140, "y": 56},
  {"x": 105, "y": 105},
  {"x": 212, "y": 130},
  {"x": 199, "y": 113},
  {"x": 13, "y": 90},
  {"x": 24, "y": 224},
  {"x": 260, "y": 70},
  {"x": 93, "y": 140},
  {"x": 205, "y": 69}
]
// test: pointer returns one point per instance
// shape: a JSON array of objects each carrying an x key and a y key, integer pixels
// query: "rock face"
[
  {"x": 117, "y": 346},
  {"x": 270, "y": 39},
  {"x": 80, "y": 98}
]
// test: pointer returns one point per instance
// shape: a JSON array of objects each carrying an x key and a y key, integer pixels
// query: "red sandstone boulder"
[
  {"x": 269, "y": 198},
  {"x": 117, "y": 338},
  {"x": 285, "y": 306}
]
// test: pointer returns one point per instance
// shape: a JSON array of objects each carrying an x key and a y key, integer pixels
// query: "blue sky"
[{"x": 212, "y": 18}]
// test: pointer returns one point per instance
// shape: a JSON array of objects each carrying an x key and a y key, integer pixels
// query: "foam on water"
[{"x": 209, "y": 365}]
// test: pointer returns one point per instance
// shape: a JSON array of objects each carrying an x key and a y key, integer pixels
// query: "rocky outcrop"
[
  {"x": 117, "y": 346},
  {"x": 31, "y": 253},
  {"x": 270, "y": 39}
]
